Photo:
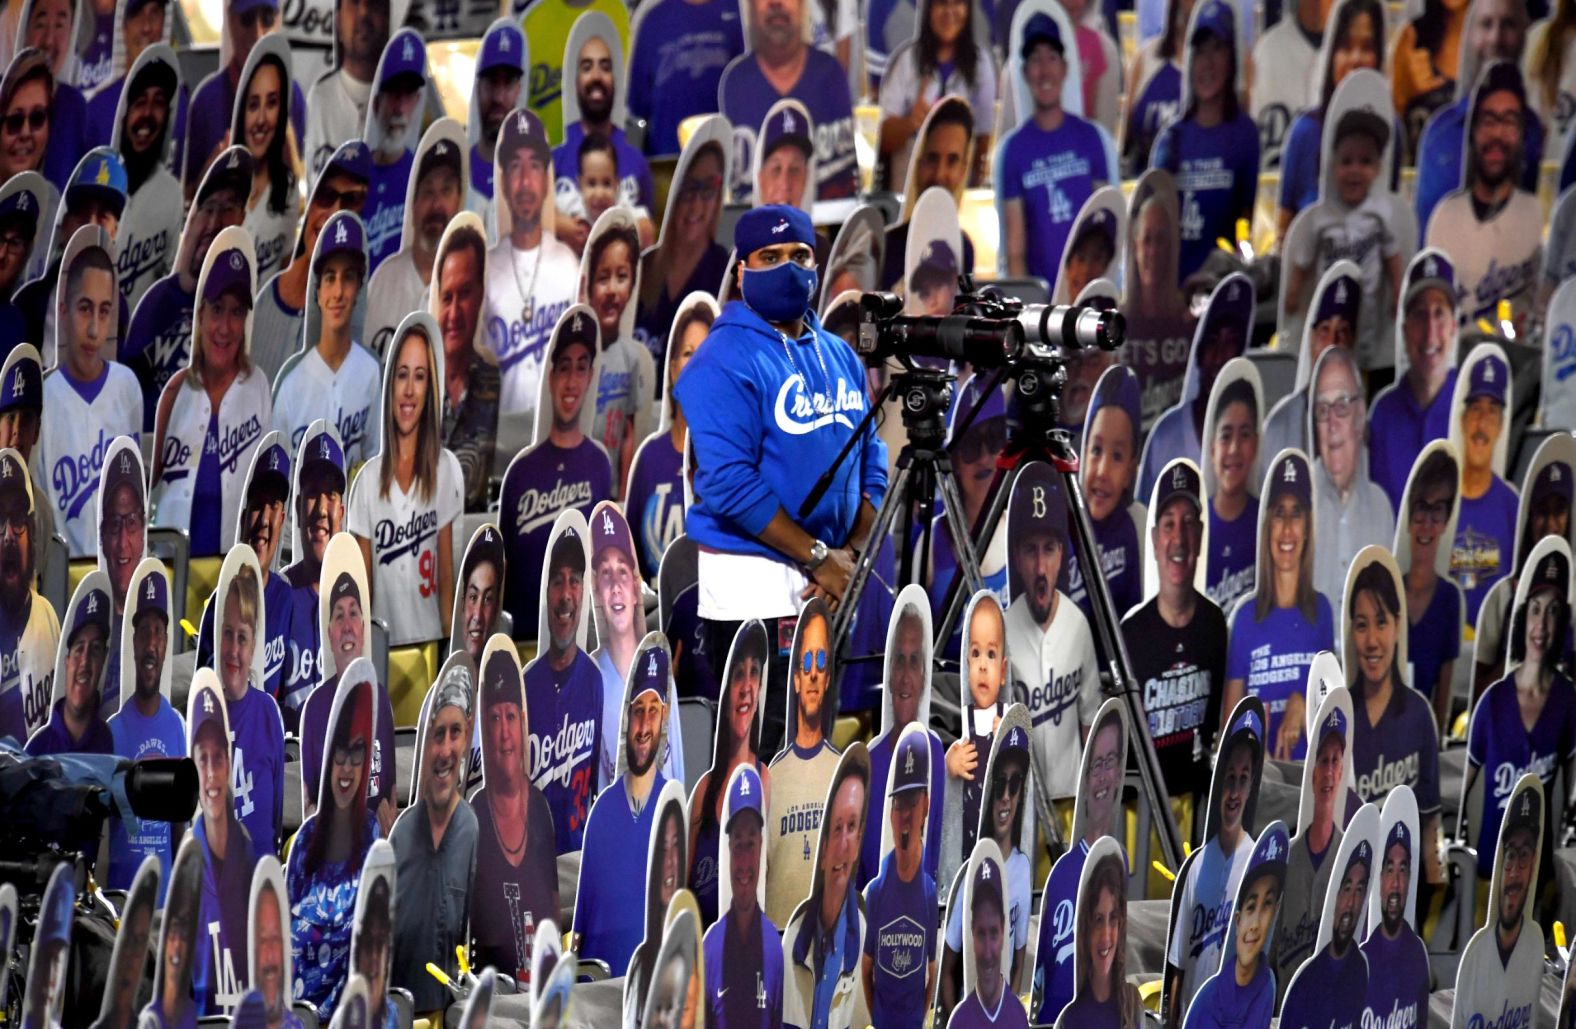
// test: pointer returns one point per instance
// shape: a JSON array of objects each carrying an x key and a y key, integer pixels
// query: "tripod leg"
[
  {"x": 995, "y": 506},
  {"x": 962, "y": 545},
  {"x": 895, "y": 501}
]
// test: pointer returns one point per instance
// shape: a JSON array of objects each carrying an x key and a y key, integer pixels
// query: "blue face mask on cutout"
[{"x": 780, "y": 294}]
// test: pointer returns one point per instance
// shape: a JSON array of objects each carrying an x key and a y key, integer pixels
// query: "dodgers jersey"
[
  {"x": 654, "y": 501},
  {"x": 27, "y": 668},
  {"x": 404, "y": 531},
  {"x": 1055, "y": 668},
  {"x": 680, "y": 51},
  {"x": 157, "y": 342},
  {"x": 565, "y": 717},
  {"x": 336, "y": 111},
  {"x": 527, "y": 292},
  {"x": 1053, "y": 960},
  {"x": 800, "y": 779},
  {"x": 190, "y": 443},
  {"x": 1217, "y": 177},
  {"x": 347, "y": 397},
  {"x": 1329, "y": 991},
  {"x": 539, "y": 485},
  {"x": 1501, "y": 748},
  {"x": 384, "y": 212},
  {"x": 149, "y": 234},
  {"x": 1400, "y": 748},
  {"x": 80, "y": 421},
  {"x": 1203, "y": 911},
  {"x": 1500, "y": 258},
  {"x": 1494, "y": 993},
  {"x": 1398, "y": 994}
]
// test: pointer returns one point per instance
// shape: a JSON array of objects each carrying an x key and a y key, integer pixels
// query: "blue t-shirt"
[
  {"x": 900, "y": 941},
  {"x": 744, "y": 990},
  {"x": 157, "y": 343},
  {"x": 384, "y": 211},
  {"x": 1485, "y": 543},
  {"x": 565, "y": 717},
  {"x": 1121, "y": 565},
  {"x": 1159, "y": 100},
  {"x": 880, "y": 770},
  {"x": 1221, "y": 1003},
  {"x": 1217, "y": 175},
  {"x": 54, "y": 738},
  {"x": 971, "y": 1014},
  {"x": 610, "y": 904},
  {"x": 1070, "y": 163},
  {"x": 539, "y": 486},
  {"x": 257, "y": 757},
  {"x": 1328, "y": 991},
  {"x": 744, "y": 96},
  {"x": 1398, "y": 430},
  {"x": 1272, "y": 656},
  {"x": 1398, "y": 995},
  {"x": 481, "y": 171},
  {"x": 69, "y": 136},
  {"x": 1402, "y": 747},
  {"x": 1501, "y": 748},
  {"x": 1233, "y": 546},
  {"x": 1435, "y": 639},
  {"x": 1053, "y": 963},
  {"x": 654, "y": 502},
  {"x": 137, "y": 737},
  {"x": 679, "y": 52}
]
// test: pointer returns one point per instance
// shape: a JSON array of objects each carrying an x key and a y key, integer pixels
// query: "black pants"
[{"x": 779, "y": 644}]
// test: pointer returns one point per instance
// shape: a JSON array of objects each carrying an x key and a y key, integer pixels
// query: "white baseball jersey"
[
  {"x": 394, "y": 291},
  {"x": 527, "y": 292},
  {"x": 245, "y": 413},
  {"x": 348, "y": 398},
  {"x": 336, "y": 111},
  {"x": 1498, "y": 259},
  {"x": 1056, "y": 669},
  {"x": 276, "y": 330},
  {"x": 1489, "y": 993},
  {"x": 273, "y": 232},
  {"x": 1208, "y": 894},
  {"x": 404, "y": 532},
  {"x": 78, "y": 426},
  {"x": 149, "y": 234},
  {"x": 27, "y": 671},
  {"x": 1279, "y": 97}
]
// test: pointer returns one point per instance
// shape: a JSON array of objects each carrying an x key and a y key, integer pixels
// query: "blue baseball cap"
[
  {"x": 100, "y": 176},
  {"x": 1523, "y": 813},
  {"x": 1015, "y": 744},
  {"x": 1362, "y": 854},
  {"x": 124, "y": 470},
  {"x": 575, "y": 326},
  {"x": 1430, "y": 269},
  {"x": 1037, "y": 504},
  {"x": 1399, "y": 833},
  {"x": 322, "y": 451},
  {"x": 568, "y": 549},
  {"x": 153, "y": 597},
  {"x": 1180, "y": 478},
  {"x": 1291, "y": 476},
  {"x": 1101, "y": 223},
  {"x": 1552, "y": 573},
  {"x": 1269, "y": 856},
  {"x": 911, "y": 762},
  {"x": 272, "y": 469},
  {"x": 231, "y": 170},
  {"x": 13, "y": 475},
  {"x": 502, "y": 47},
  {"x": 651, "y": 673},
  {"x": 523, "y": 130},
  {"x": 343, "y": 233},
  {"x": 770, "y": 225},
  {"x": 22, "y": 381},
  {"x": 788, "y": 124},
  {"x": 229, "y": 272},
  {"x": 21, "y": 208},
  {"x": 610, "y": 533},
  {"x": 1041, "y": 28},
  {"x": 992, "y": 404},
  {"x": 94, "y": 609},
  {"x": 1249, "y": 722},
  {"x": 938, "y": 266},
  {"x": 1341, "y": 298},
  {"x": 1489, "y": 378},
  {"x": 207, "y": 713},
  {"x": 744, "y": 794},
  {"x": 987, "y": 877},
  {"x": 404, "y": 59},
  {"x": 1553, "y": 478},
  {"x": 352, "y": 158},
  {"x": 1216, "y": 19},
  {"x": 245, "y": 6},
  {"x": 1335, "y": 724}
]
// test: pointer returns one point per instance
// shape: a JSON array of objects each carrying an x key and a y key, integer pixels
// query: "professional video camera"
[{"x": 985, "y": 329}]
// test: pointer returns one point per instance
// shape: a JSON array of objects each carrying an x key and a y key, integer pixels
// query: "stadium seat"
[
  {"x": 1278, "y": 373},
  {"x": 697, "y": 723},
  {"x": 404, "y": 1006},
  {"x": 173, "y": 547},
  {"x": 52, "y": 573},
  {"x": 411, "y": 669}
]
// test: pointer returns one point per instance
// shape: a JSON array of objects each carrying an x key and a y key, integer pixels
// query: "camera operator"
[{"x": 771, "y": 397}]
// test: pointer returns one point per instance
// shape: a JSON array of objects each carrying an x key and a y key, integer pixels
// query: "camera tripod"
[
  {"x": 1038, "y": 437},
  {"x": 923, "y": 473}
]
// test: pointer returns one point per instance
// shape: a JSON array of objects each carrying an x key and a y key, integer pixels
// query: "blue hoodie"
[{"x": 765, "y": 425}]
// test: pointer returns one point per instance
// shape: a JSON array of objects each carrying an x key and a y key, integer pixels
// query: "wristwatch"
[{"x": 818, "y": 553}]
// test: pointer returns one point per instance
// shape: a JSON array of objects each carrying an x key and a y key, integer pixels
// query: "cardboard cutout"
[
  {"x": 1402, "y": 745},
  {"x": 181, "y": 941},
  {"x": 987, "y": 896},
  {"x": 1330, "y": 320},
  {"x": 435, "y": 837},
  {"x": 1223, "y": 332},
  {"x": 933, "y": 255},
  {"x": 319, "y": 886},
  {"x": 674, "y": 999},
  {"x": 1095, "y": 246},
  {"x": 739, "y": 986},
  {"x": 666, "y": 864},
  {"x": 80, "y": 662},
  {"x": 1484, "y": 545},
  {"x": 1331, "y": 986},
  {"x": 478, "y": 1006},
  {"x": 736, "y": 745},
  {"x": 948, "y": 107},
  {"x": 515, "y": 887},
  {"x": 351, "y": 38},
  {"x": 609, "y": 900},
  {"x": 1112, "y": 436},
  {"x": 1399, "y": 975},
  {"x": 118, "y": 1008},
  {"x": 1487, "y": 985},
  {"x": 553, "y": 1005},
  {"x": 24, "y": 703},
  {"x": 1224, "y": 998},
  {"x": 457, "y": 299},
  {"x": 802, "y": 769},
  {"x": 1558, "y": 406},
  {"x": 150, "y": 226},
  {"x": 1159, "y": 324},
  {"x": 270, "y": 919},
  {"x": 830, "y": 886},
  {"x": 393, "y": 133},
  {"x": 316, "y": 512},
  {"x": 122, "y": 520},
  {"x": 905, "y": 700},
  {"x": 1097, "y": 813},
  {"x": 1232, "y": 476},
  {"x": 355, "y": 1006},
  {"x": 1180, "y": 477},
  {"x": 857, "y": 257},
  {"x": 566, "y": 469},
  {"x": 547, "y": 950},
  {"x": 478, "y": 601},
  {"x": 784, "y": 169},
  {"x": 1016, "y": 101},
  {"x": 495, "y": 91},
  {"x": 1424, "y": 535},
  {"x": 371, "y": 941},
  {"x": 1102, "y": 994},
  {"x": 394, "y": 287},
  {"x": 1207, "y": 883},
  {"x": 1324, "y": 675},
  {"x": 609, "y": 284},
  {"x": 273, "y": 214}
]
